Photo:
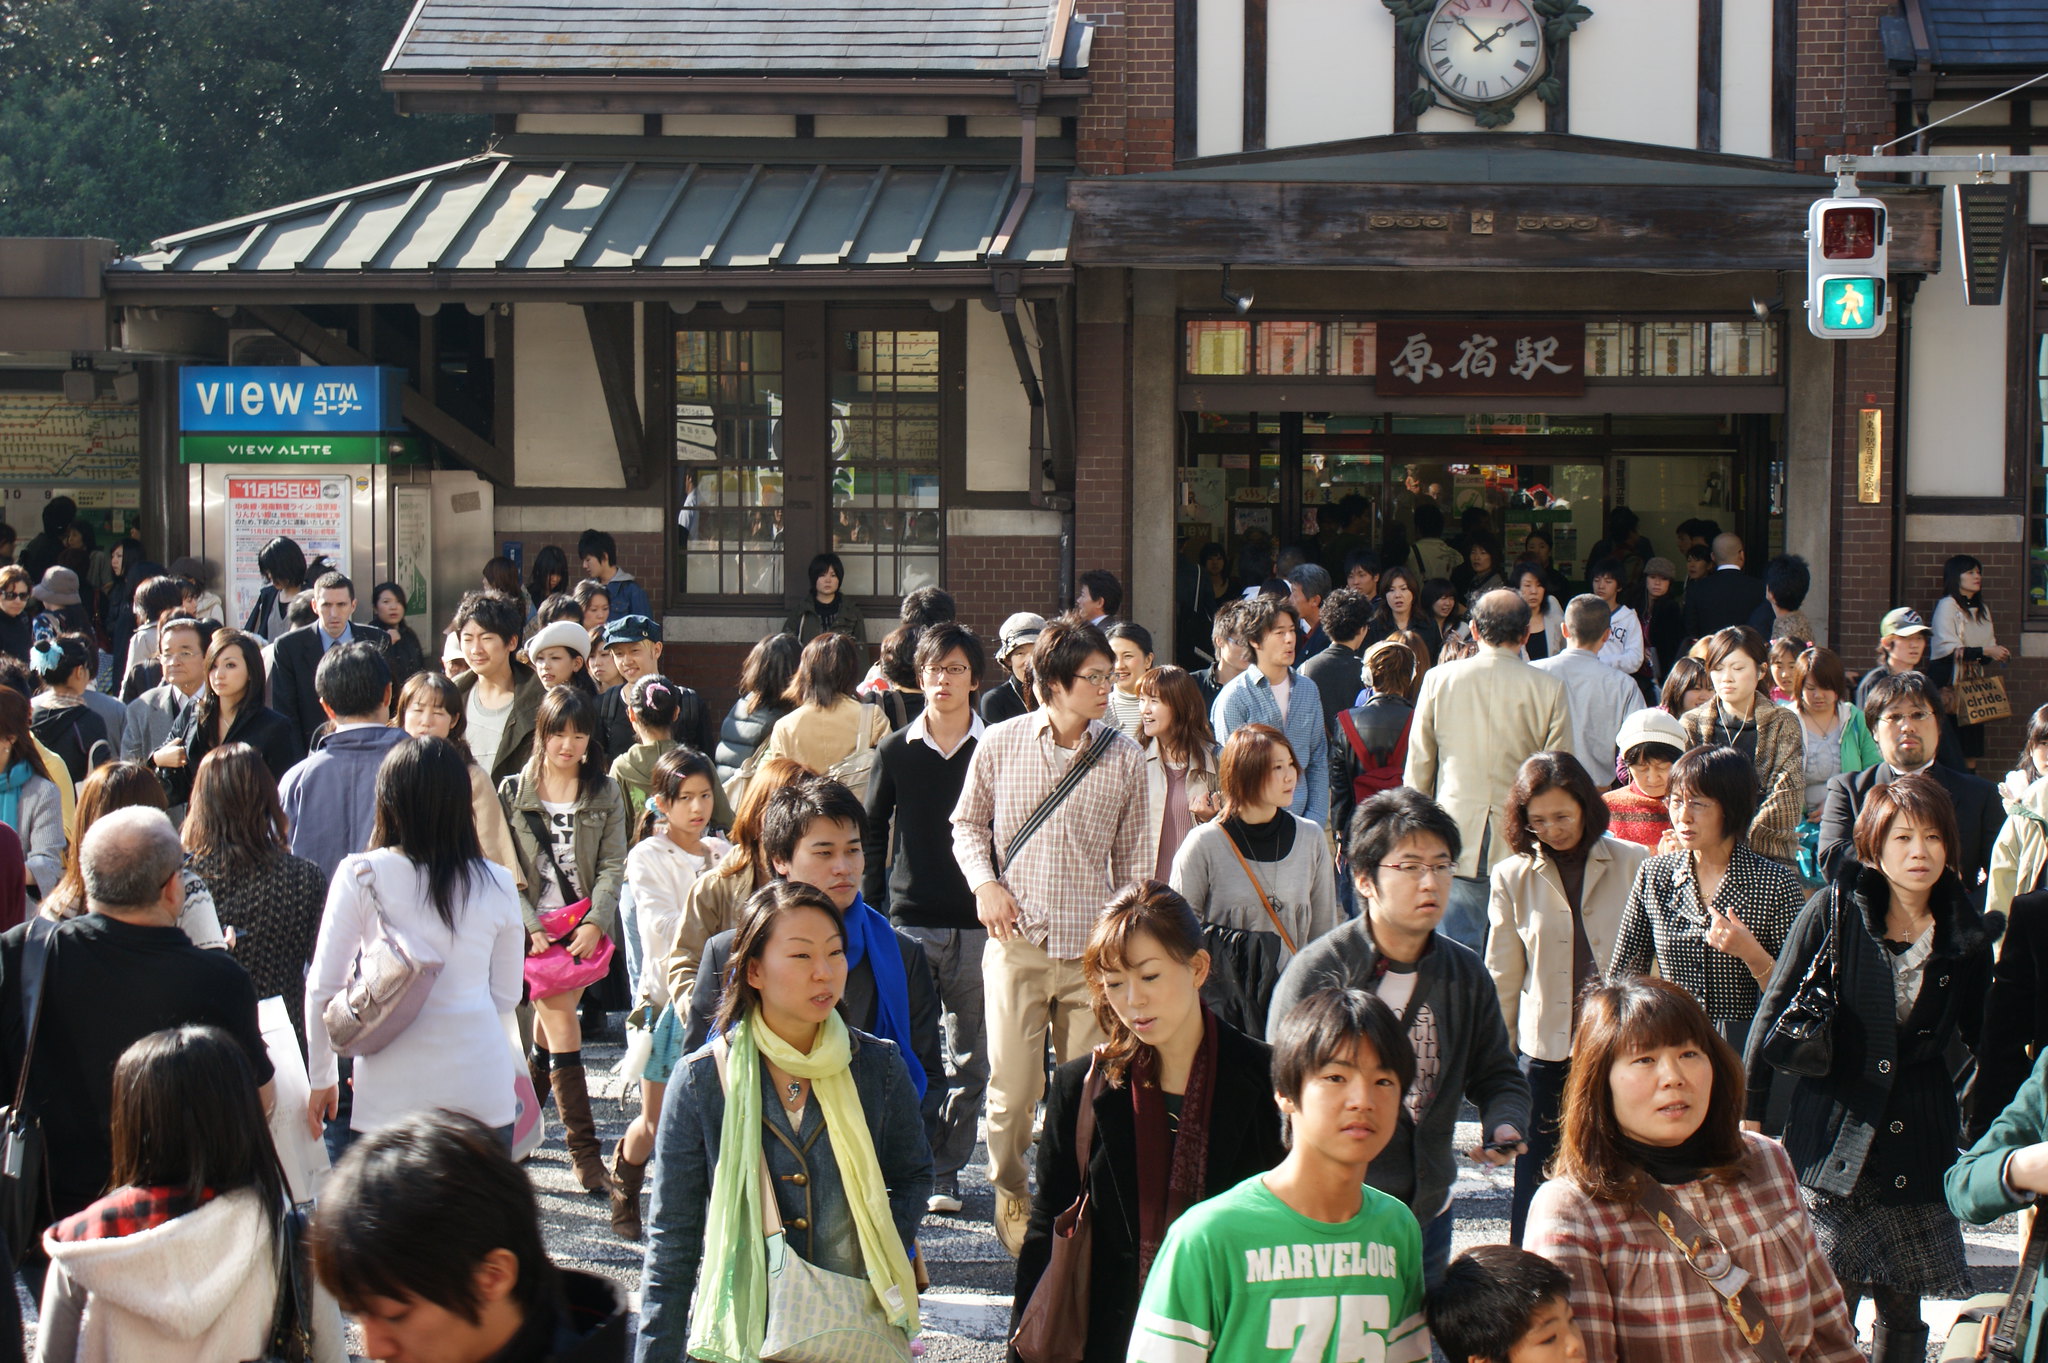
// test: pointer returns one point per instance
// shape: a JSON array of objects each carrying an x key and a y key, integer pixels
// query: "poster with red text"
[{"x": 310, "y": 509}]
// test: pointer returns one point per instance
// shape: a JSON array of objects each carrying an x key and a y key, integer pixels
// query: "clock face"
[{"x": 1483, "y": 51}]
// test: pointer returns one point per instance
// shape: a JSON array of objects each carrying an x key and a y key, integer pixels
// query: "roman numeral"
[
  {"x": 1528, "y": 42},
  {"x": 1521, "y": 66},
  {"x": 1458, "y": 83},
  {"x": 1443, "y": 66},
  {"x": 1440, "y": 45},
  {"x": 1482, "y": 89}
]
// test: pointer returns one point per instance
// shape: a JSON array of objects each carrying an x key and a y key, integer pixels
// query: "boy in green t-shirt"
[{"x": 1305, "y": 1264}]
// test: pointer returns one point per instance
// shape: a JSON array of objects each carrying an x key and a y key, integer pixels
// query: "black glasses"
[{"x": 15, "y": 596}]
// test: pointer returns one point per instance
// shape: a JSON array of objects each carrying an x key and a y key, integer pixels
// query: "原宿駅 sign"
[
  {"x": 278, "y": 398},
  {"x": 1482, "y": 359}
]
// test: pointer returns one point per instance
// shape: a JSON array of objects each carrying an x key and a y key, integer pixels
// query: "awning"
[
  {"x": 511, "y": 225},
  {"x": 1476, "y": 201}
]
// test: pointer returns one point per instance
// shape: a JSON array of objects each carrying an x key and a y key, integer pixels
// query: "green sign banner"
[{"x": 298, "y": 449}]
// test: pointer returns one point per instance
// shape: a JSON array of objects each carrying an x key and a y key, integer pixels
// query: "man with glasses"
[
  {"x": 919, "y": 772},
  {"x": 1903, "y": 710},
  {"x": 181, "y": 651},
  {"x": 1404, "y": 852},
  {"x": 1043, "y": 844}
]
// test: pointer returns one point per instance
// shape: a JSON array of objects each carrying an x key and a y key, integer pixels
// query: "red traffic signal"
[
  {"x": 1850, "y": 232},
  {"x": 1846, "y": 265}
]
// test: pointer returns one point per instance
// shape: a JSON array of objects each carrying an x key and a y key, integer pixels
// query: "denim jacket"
[{"x": 815, "y": 1215}]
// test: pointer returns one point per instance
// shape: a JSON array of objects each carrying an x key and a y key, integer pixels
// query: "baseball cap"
[
  {"x": 1904, "y": 620},
  {"x": 1019, "y": 631},
  {"x": 561, "y": 634},
  {"x": 629, "y": 629}
]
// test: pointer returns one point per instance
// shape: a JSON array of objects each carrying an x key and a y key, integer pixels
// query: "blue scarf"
[
  {"x": 16, "y": 776},
  {"x": 869, "y": 937}
]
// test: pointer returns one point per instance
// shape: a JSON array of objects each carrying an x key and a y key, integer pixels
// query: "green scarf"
[{"x": 730, "y": 1314}]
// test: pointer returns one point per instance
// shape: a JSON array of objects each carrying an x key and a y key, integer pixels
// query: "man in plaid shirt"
[{"x": 1040, "y": 907}]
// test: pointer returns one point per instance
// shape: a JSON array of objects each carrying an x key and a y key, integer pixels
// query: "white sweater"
[
  {"x": 661, "y": 875},
  {"x": 454, "y": 1053}
]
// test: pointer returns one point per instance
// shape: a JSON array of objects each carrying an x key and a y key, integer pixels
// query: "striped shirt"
[
  {"x": 1098, "y": 841},
  {"x": 1248, "y": 699}
]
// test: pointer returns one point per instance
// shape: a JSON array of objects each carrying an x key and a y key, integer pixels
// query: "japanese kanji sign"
[{"x": 1482, "y": 359}]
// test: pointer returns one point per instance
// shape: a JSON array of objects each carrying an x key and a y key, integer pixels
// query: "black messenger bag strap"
[{"x": 1069, "y": 781}]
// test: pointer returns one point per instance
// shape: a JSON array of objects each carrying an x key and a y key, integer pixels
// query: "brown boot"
[
  {"x": 627, "y": 1178},
  {"x": 572, "y": 1101}
]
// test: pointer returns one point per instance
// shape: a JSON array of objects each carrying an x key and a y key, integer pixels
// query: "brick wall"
[
  {"x": 994, "y": 576},
  {"x": 1102, "y": 466}
]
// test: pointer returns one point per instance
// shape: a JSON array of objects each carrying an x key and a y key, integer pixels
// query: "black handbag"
[
  {"x": 22, "y": 1190},
  {"x": 291, "y": 1327},
  {"x": 1802, "y": 1038}
]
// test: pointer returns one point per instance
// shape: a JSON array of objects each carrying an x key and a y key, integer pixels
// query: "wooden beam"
[
  {"x": 1254, "y": 75},
  {"x": 1186, "y": 85},
  {"x": 611, "y": 341},
  {"x": 1784, "y": 77},
  {"x": 475, "y": 452},
  {"x": 1709, "y": 136}
]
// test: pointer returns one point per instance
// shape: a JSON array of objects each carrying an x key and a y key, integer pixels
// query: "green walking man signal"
[{"x": 1846, "y": 247}]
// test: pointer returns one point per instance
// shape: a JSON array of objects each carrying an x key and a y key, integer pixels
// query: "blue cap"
[{"x": 629, "y": 629}]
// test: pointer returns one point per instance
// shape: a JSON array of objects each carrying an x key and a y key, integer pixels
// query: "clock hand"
[
  {"x": 1475, "y": 34},
  {"x": 1487, "y": 43}
]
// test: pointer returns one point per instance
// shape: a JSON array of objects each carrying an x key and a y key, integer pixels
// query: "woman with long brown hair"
[
  {"x": 716, "y": 898},
  {"x": 112, "y": 786},
  {"x": 1182, "y": 1101},
  {"x": 1652, "y": 1122},
  {"x": 228, "y": 709},
  {"x": 268, "y": 900},
  {"x": 830, "y": 728},
  {"x": 29, "y": 803},
  {"x": 1180, "y": 758}
]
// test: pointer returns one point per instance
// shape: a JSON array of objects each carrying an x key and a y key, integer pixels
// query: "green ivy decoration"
[{"x": 1561, "y": 18}]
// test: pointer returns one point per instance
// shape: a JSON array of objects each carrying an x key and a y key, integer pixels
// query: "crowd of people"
[{"x": 1726, "y": 949}]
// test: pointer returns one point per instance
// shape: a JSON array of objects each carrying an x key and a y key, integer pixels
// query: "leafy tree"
[{"x": 135, "y": 119}]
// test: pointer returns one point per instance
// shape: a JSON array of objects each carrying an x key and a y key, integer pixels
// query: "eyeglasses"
[
  {"x": 1679, "y": 804},
  {"x": 15, "y": 596},
  {"x": 951, "y": 671},
  {"x": 1099, "y": 680},
  {"x": 1421, "y": 870}
]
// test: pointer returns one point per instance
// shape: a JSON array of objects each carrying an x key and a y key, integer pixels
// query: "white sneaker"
[
  {"x": 1013, "y": 1218},
  {"x": 945, "y": 1196}
]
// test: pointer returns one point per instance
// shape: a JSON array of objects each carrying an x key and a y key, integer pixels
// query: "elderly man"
[
  {"x": 109, "y": 978},
  {"x": 1476, "y": 721},
  {"x": 1597, "y": 696}
]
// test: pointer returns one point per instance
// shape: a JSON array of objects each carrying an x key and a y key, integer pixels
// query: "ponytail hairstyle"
[
  {"x": 652, "y": 702},
  {"x": 57, "y": 656},
  {"x": 1147, "y": 906},
  {"x": 676, "y": 766}
]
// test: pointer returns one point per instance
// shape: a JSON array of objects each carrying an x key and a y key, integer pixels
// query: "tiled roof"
[{"x": 1992, "y": 33}]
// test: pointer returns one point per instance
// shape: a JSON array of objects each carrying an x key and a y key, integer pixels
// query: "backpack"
[{"x": 1372, "y": 776}]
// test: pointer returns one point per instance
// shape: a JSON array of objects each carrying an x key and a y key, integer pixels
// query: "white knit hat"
[{"x": 561, "y": 634}]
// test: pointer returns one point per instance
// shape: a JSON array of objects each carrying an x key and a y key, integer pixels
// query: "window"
[
  {"x": 1303, "y": 348},
  {"x": 729, "y": 476},
  {"x": 885, "y": 459}
]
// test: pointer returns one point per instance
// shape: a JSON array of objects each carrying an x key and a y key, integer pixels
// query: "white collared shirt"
[{"x": 915, "y": 733}]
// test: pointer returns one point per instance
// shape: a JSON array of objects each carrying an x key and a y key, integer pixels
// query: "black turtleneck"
[
  {"x": 1268, "y": 841},
  {"x": 1671, "y": 1164}
]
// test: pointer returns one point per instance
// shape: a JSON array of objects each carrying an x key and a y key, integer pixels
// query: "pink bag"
[{"x": 555, "y": 971}]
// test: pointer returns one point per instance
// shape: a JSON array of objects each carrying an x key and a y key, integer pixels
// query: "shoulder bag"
[
  {"x": 1258, "y": 889},
  {"x": 1705, "y": 1255},
  {"x": 1054, "y": 1325},
  {"x": 814, "y": 1314},
  {"x": 555, "y": 971},
  {"x": 854, "y": 770},
  {"x": 21, "y": 1133},
  {"x": 291, "y": 1325},
  {"x": 1069, "y": 782},
  {"x": 387, "y": 986},
  {"x": 1994, "y": 1325},
  {"x": 1802, "y": 1037}
]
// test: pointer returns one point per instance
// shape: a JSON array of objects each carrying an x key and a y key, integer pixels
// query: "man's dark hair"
[
  {"x": 1891, "y": 688},
  {"x": 157, "y": 595},
  {"x": 1327, "y": 1026},
  {"x": 1063, "y": 648},
  {"x": 1700, "y": 552},
  {"x": 928, "y": 606},
  {"x": 1724, "y": 776},
  {"x": 352, "y": 680},
  {"x": 414, "y": 1208},
  {"x": 939, "y": 640},
  {"x": 1362, "y": 558},
  {"x": 332, "y": 581},
  {"x": 898, "y": 658},
  {"x": 1587, "y": 619},
  {"x": 15, "y": 676},
  {"x": 1256, "y": 620},
  {"x": 1501, "y": 618},
  {"x": 1346, "y": 613},
  {"x": 300, "y": 612},
  {"x": 1312, "y": 578},
  {"x": 1788, "y": 579},
  {"x": 792, "y": 810},
  {"x": 58, "y": 513},
  {"x": 597, "y": 544},
  {"x": 1380, "y": 824},
  {"x": 1429, "y": 520},
  {"x": 1607, "y": 567},
  {"x": 1103, "y": 586},
  {"x": 282, "y": 560},
  {"x": 1488, "y": 1300},
  {"x": 491, "y": 612}
]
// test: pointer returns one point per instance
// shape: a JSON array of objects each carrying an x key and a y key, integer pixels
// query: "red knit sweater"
[{"x": 1634, "y": 817}]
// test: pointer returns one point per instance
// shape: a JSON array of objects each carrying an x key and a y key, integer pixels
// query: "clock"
[
  {"x": 1479, "y": 52},
  {"x": 1482, "y": 57}
]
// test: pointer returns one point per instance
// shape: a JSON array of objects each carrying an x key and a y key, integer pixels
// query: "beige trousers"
[{"x": 1027, "y": 993}]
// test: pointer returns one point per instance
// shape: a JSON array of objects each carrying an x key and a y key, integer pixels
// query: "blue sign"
[{"x": 276, "y": 399}]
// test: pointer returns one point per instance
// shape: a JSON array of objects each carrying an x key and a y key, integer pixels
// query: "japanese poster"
[{"x": 311, "y": 510}]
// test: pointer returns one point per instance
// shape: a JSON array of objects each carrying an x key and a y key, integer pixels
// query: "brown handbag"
[
  {"x": 1260, "y": 890},
  {"x": 1054, "y": 1325}
]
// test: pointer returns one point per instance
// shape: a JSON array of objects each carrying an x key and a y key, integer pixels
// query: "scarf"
[
  {"x": 1173, "y": 1170},
  {"x": 11, "y": 782},
  {"x": 730, "y": 1315},
  {"x": 869, "y": 937},
  {"x": 1670, "y": 1164}
]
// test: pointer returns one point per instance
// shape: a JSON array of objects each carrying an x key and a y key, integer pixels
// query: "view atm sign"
[{"x": 278, "y": 399}]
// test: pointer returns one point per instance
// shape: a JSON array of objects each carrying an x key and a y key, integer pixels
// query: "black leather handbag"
[
  {"x": 22, "y": 1190},
  {"x": 1802, "y": 1038}
]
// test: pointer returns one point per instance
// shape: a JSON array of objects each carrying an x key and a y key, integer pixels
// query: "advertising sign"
[
  {"x": 298, "y": 449},
  {"x": 279, "y": 398},
  {"x": 412, "y": 549},
  {"x": 313, "y": 510}
]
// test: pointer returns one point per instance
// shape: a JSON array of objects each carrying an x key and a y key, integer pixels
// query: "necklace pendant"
[{"x": 796, "y": 1091}]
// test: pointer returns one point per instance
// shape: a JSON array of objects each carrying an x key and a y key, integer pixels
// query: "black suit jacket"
[
  {"x": 1244, "y": 1139},
  {"x": 1980, "y": 814},
  {"x": 1721, "y": 599},
  {"x": 2015, "y": 1014},
  {"x": 293, "y": 661}
]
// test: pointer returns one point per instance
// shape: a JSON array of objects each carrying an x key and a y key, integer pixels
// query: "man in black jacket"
[
  {"x": 296, "y": 658},
  {"x": 1727, "y": 596},
  {"x": 1339, "y": 670},
  {"x": 634, "y": 643},
  {"x": 1904, "y": 714}
]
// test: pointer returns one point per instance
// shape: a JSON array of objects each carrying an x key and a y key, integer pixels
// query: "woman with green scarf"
[{"x": 829, "y": 1109}]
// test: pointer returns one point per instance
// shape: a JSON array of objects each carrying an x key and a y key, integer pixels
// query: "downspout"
[{"x": 1901, "y": 402}]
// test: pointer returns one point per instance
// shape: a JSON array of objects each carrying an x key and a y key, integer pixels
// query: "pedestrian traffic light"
[{"x": 1845, "y": 268}]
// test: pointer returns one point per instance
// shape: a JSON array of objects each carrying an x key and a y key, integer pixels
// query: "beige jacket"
[
  {"x": 711, "y": 907},
  {"x": 2022, "y": 850},
  {"x": 820, "y": 738},
  {"x": 1476, "y": 721},
  {"x": 1529, "y": 938},
  {"x": 491, "y": 829}
]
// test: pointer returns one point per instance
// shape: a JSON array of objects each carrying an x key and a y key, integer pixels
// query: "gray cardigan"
[
  {"x": 1302, "y": 885},
  {"x": 1472, "y": 1054},
  {"x": 40, "y": 822}
]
